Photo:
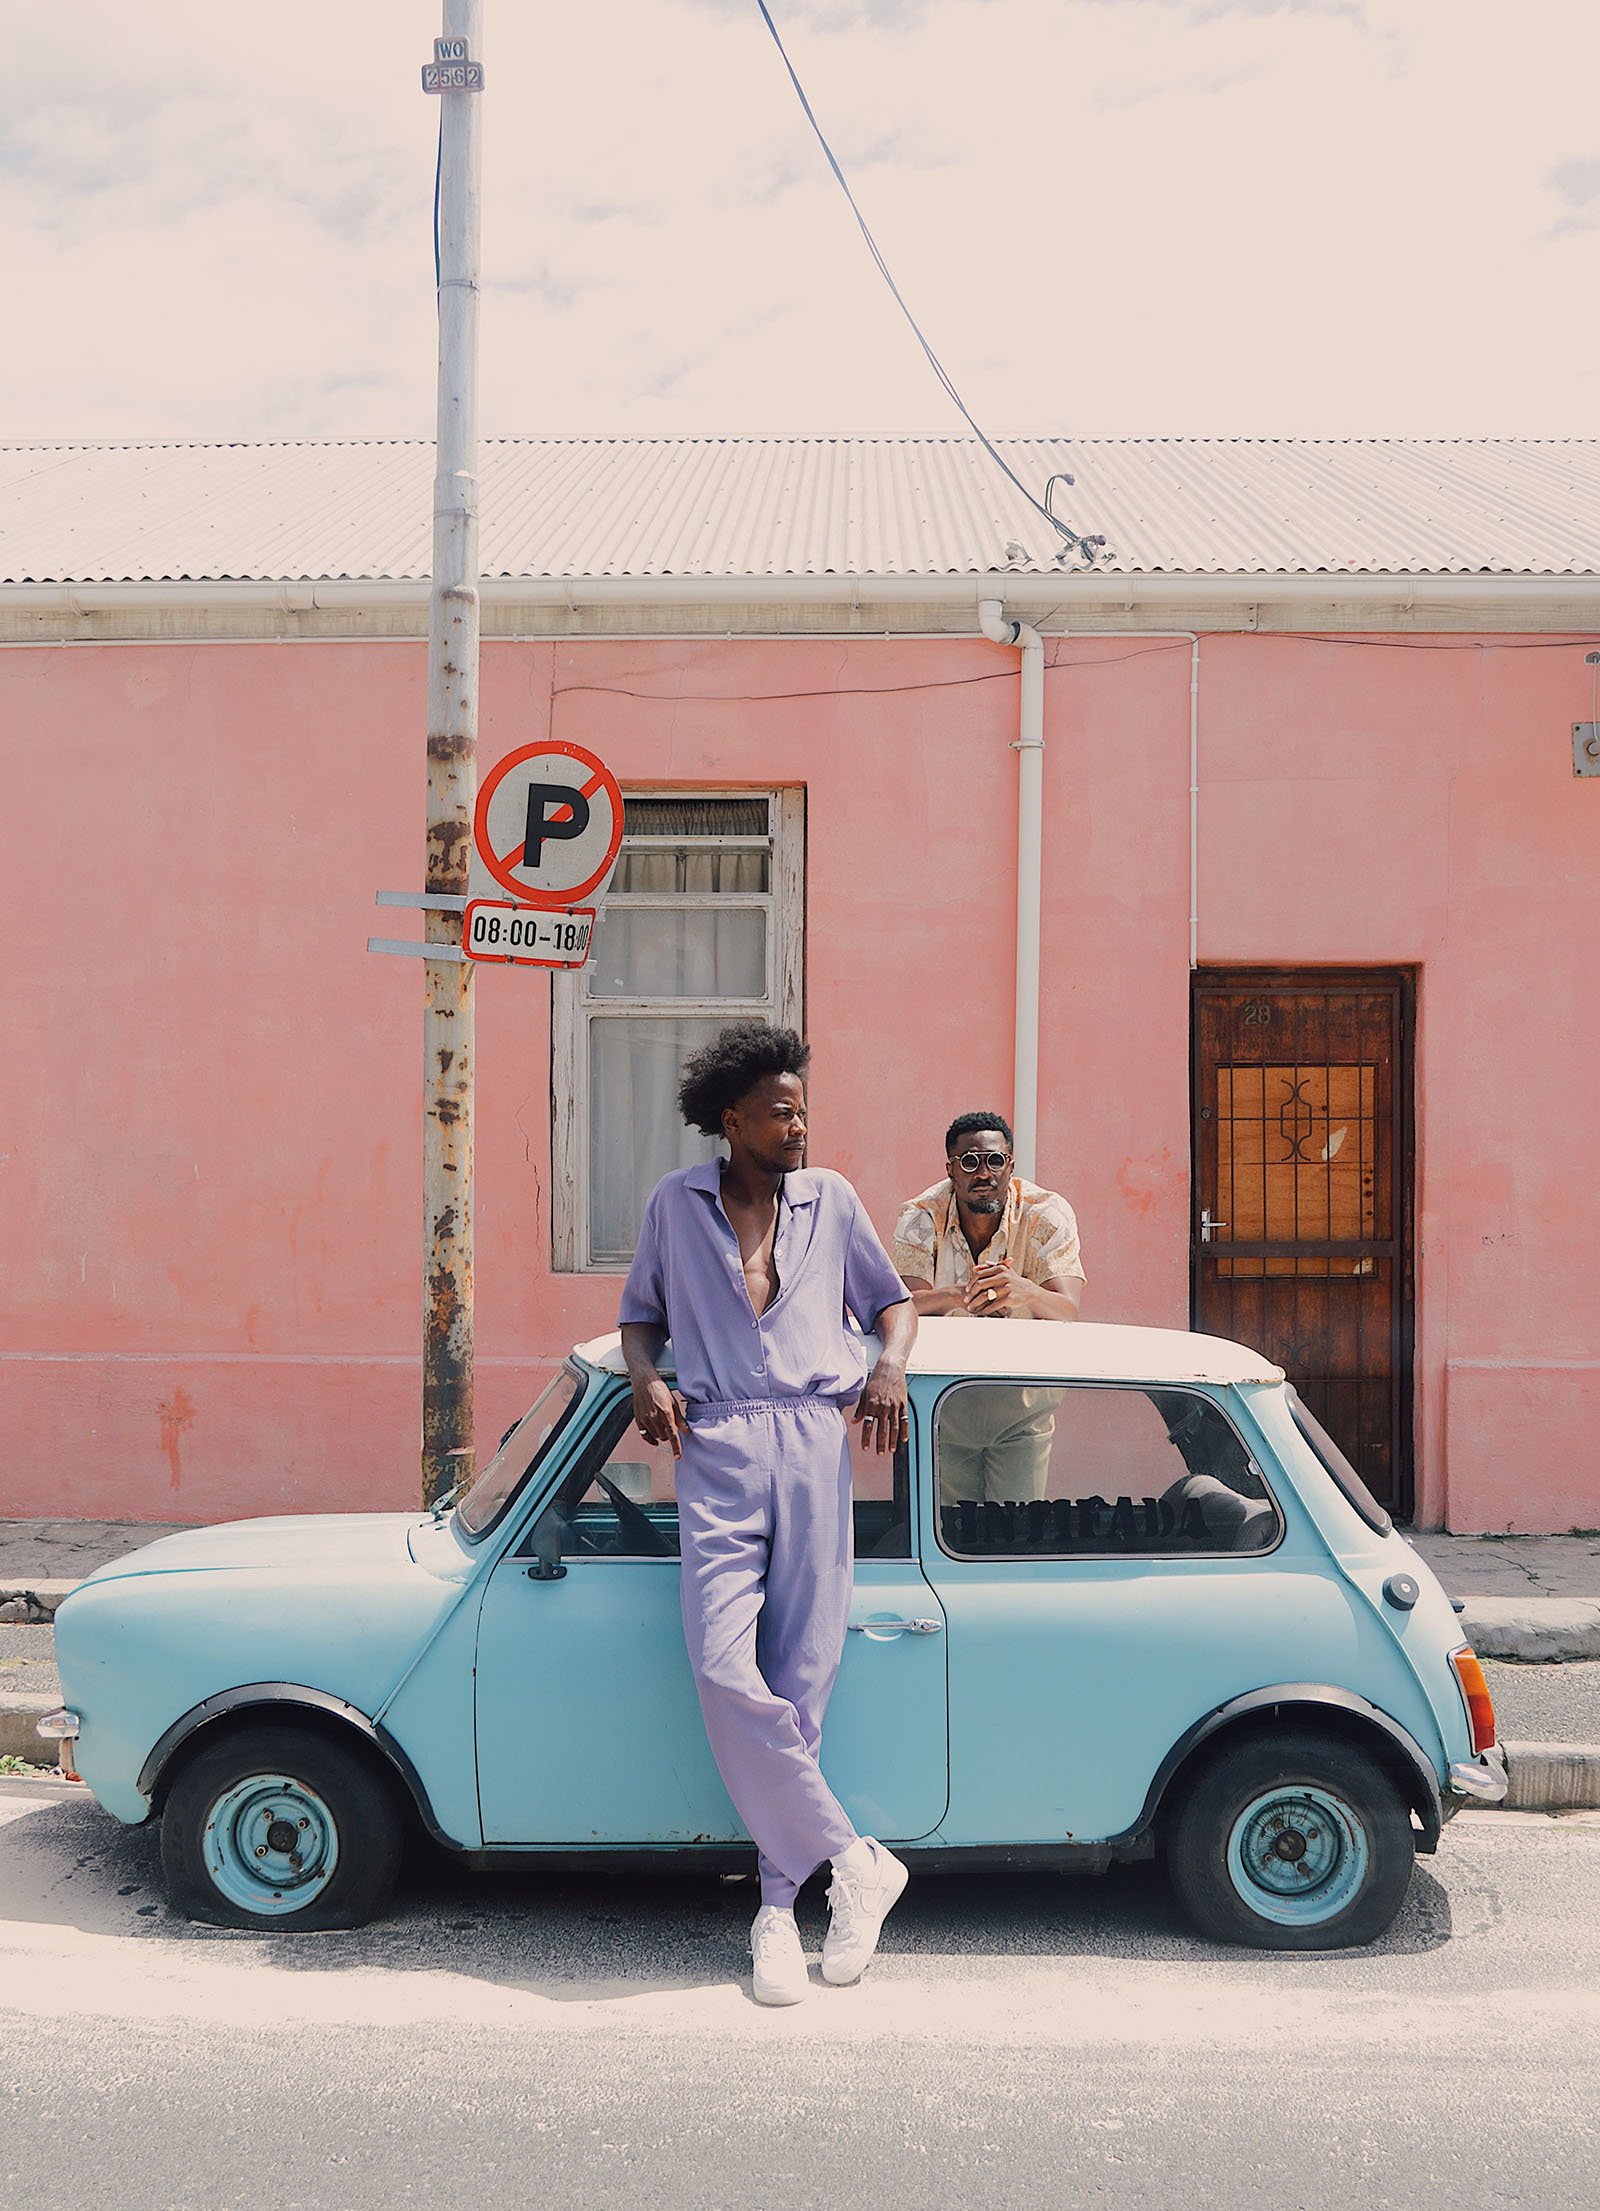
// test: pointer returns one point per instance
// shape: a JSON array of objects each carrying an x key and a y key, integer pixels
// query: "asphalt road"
[
  {"x": 1546, "y": 1704},
  {"x": 503, "y": 2041}
]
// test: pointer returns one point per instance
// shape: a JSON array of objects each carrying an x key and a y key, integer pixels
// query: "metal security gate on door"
[{"x": 1302, "y": 1194}]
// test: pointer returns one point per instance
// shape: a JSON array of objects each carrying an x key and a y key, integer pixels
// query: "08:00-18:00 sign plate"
[{"x": 492, "y": 930}]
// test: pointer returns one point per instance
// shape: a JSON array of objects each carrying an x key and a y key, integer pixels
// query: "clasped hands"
[{"x": 997, "y": 1292}]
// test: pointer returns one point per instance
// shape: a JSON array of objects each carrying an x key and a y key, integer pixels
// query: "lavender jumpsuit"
[{"x": 764, "y": 1483}]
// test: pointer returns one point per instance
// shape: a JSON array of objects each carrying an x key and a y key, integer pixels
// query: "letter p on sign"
[
  {"x": 557, "y": 810},
  {"x": 547, "y": 828}
]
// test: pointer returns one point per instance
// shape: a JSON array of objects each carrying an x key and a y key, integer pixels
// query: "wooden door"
[{"x": 1302, "y": 1180}]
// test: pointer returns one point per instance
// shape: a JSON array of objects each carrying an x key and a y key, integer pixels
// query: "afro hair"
[
  {"x": 971, "y": 1124},
  {"x": 729, "y": 1067}
]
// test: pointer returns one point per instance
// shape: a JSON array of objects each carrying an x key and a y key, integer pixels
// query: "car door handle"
[{"x": 886, "y": 1627}]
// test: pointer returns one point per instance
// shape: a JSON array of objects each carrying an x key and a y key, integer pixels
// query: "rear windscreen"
[{"x": 1339, "y": 1466}]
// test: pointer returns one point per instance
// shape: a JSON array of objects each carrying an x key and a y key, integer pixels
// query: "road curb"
[
  {"x": 19, "y": 1709},
  {"x": 31, "y": 1604},
  {"x": 1553, "y": 1777},
  {"x": 1538, "y": 1631}
]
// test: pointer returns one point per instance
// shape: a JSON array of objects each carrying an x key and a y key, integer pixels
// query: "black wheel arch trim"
[
  {"x": 1303, "y": 1696},
  {"x": 293, "y": 1696}
]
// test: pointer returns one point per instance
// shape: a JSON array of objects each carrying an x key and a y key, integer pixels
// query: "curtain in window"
[
  {"x": 665, "y": 952},
  {"x": 695, "y": 817},
  {"x": 693, "y": 952},
  {"x": 635, "y": 1132}
]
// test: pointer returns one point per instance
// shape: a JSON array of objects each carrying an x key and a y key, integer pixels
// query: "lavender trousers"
[{"x": 765, "y": 1531}]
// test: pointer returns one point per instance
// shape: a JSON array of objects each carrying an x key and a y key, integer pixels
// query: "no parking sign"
[
  {"x": 547, "y": 830},
  {"x": 548, "y": 827}
]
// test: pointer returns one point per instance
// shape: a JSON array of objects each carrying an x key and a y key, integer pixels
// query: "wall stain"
[
  {"x": 176, "y": 1414},
  {"x": 1139, "y": 1180}
]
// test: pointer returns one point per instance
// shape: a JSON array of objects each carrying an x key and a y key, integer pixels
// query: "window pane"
[
  {"x": 880, "y": 1485},
  {"x": 620, "y": 1502},
  {"x": 1030, "y": 1471},
  {"x": 520, "y": 1451},
  {"x": 635, "y": 1134},
  {"x": 705, "y": 872},
  {"x": 694, "y": 816},
  {"x": 658, "y": 953}
]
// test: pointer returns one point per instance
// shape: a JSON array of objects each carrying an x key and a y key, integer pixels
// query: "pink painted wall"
[
  {"x": 1413, "y": 801},
  {"x": 210, "y": 1207}
]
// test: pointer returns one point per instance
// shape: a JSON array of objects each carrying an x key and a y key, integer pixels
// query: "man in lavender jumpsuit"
[{"x": 749, "y": 1266}]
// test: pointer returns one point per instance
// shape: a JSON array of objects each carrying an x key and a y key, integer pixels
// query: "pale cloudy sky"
[{"x": 1334, "y": 217}]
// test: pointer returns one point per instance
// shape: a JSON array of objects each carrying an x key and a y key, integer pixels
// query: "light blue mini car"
[{"x": 1121, "y": 1598}]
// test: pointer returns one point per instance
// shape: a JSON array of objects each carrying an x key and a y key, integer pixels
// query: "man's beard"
[{"x": 985, "y": 1201}]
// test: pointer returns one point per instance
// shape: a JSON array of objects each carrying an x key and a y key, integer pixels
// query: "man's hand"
[
  {"x": 881, "y": 1407},
  {"x": 659, "y": 1413},
  {"x": 997, "y": 1293}
]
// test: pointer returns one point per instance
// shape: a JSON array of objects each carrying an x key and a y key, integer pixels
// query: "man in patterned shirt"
[{"x": 984, "y": 1242}]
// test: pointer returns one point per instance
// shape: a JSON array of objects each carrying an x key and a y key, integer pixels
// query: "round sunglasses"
[{"x": 970, "y": 1162}]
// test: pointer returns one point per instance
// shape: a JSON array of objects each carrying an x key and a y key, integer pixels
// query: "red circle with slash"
[{"x": 597, "y": 780}]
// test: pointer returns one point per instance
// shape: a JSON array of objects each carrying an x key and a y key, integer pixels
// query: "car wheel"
[
  {"x": 1296, "y": 1841},
  {"x": 279, "y": 1828}
]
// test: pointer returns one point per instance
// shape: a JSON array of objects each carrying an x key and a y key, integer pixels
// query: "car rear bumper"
[{"x": 1481, "y": 1780}]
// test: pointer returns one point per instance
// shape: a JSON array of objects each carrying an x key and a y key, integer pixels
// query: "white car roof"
[{"x": 1048, "y": 1350}]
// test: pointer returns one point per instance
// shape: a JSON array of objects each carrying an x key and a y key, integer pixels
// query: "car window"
[
  {"x": 1334, "y": 1460},
  {"x": 521, "y": 1449},
  {"x": 620, "y": 1500},
  {"x": 1026, "y": 1470},
  {"x": 881, "y": 1491}
]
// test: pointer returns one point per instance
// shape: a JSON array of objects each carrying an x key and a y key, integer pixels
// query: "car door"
[
  {"x": 1112, "y": 1567},
  {"x": 588, "y": 1724}
]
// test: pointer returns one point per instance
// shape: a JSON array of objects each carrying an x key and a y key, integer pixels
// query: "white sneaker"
[
  {"x": 780, "y": 1963},
  {"x": 859, "y": 1900}
]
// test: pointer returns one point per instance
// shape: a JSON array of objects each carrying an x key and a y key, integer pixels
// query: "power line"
[
  {"x": 1056, "y": 665},
  {"x": 1088, "y": 547}
]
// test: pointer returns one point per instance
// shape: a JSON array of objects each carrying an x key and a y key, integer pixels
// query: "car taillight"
[{"x": 1475, "y": 1693}]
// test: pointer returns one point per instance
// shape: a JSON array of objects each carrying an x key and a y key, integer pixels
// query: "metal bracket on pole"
[
  {"x": 405, "y": 945},
  {"x": 428, "y": 902}
]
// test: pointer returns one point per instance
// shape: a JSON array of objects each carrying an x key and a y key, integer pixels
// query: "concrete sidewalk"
[
  {"x": 1528, "y": 1597},
  {"x": 40, "y": 1560}
]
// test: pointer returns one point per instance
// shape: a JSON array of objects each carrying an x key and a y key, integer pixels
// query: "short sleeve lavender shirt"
[{"x": 688, "y": 1278}]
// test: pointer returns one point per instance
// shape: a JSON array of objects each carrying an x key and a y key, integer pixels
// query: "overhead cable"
[{"x": 1087, "y": 548}]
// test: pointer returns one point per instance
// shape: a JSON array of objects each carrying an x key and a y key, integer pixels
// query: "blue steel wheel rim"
[
  {"x": 1298, "y": 1856},
  {"x": 270, "y": 1845}
]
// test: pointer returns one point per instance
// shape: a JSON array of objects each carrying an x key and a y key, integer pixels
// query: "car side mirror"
[{"x": 548, "y": 1531}]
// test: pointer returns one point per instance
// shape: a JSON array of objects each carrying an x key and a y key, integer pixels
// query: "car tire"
[
  {"x": 282, "y": 1829},
  {"x": 1295, "y": 1841}
]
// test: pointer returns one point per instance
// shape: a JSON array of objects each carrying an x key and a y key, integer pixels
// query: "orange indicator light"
[{"x": 1475, "y": 1690}]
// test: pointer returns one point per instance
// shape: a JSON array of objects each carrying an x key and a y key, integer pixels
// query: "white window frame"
[{"x": 572, "y": 1009}]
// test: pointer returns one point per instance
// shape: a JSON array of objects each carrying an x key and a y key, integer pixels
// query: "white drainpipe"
[
  {"x": 1001, "y": 629},
  {"x": 997, "y": 626}
]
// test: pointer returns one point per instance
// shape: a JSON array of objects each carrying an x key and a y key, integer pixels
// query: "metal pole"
[{"x": 447, "y": 1025}]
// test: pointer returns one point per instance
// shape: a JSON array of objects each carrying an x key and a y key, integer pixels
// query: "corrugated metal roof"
[{"x": 775, "y": 507}]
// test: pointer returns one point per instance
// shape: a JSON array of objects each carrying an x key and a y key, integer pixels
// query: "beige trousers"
[{"x": 994, "y": 1442}]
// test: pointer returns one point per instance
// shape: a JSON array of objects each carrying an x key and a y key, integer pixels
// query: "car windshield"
[{"x": 519, "y": 1453}]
